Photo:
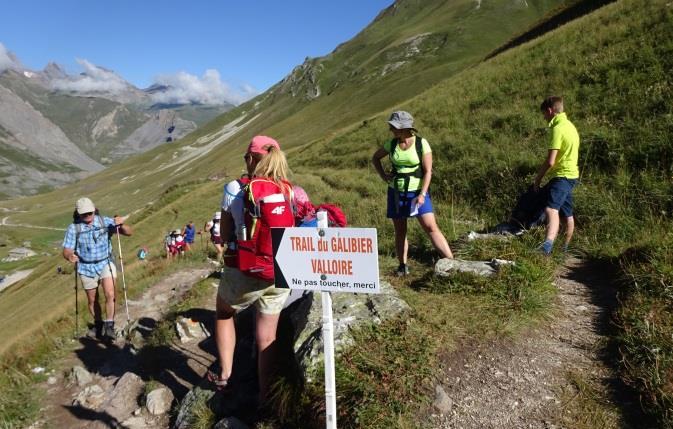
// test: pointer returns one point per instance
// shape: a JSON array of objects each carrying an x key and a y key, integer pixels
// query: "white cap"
[
  {"x": 217, "y": 215},
  {"x": 84, "y": 205}
]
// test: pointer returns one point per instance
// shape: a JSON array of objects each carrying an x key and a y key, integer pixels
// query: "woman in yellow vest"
[{"x": 409, "y": 186}]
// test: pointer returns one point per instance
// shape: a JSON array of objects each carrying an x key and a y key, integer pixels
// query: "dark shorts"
[
  {"x": 399, "y": 204},
  {"x": 560, "y": 195},
  {"x": 216, "y": 239}
]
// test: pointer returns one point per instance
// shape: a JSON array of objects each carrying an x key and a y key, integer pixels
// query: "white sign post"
[{"x": 328, "y": 260}]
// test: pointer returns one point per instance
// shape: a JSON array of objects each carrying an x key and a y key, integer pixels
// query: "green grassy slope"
[{"x": 487, "y": 137}]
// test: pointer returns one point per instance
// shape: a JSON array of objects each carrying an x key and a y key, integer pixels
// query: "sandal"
[{"x": 220, "y": 383}]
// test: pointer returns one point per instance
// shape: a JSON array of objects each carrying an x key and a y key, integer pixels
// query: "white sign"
[{"x": 326, "y": 259}]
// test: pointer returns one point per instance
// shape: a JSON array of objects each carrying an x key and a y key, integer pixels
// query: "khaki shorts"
[
  {"x": 241, "y": 291},
  {"x": 93, "y": 282}
]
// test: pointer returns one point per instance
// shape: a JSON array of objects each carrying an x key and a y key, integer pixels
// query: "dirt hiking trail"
[
  {"x": 109, "y": 364},
  {"x": 527, "y": 382}
]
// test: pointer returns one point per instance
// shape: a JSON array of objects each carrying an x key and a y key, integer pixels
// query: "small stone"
[
  {"x": 443, "y": 403},
  {"x": 230, "y": 423},
  {"x": 91, "y": 397},
  {"x": 159, "y": 401},
  {"x": 80, "y": 376},
  {"x": 52, "y": 380}
]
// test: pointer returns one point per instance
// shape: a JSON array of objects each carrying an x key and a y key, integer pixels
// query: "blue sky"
[{"x": 248, "y": 42}]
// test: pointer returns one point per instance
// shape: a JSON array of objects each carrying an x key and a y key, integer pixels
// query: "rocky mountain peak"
[{"x": 54, "y": 71}]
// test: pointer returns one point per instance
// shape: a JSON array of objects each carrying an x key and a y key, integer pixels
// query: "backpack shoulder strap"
[
  {"x": 419, "y": 151},
  {"x": 78, "y": 231}
]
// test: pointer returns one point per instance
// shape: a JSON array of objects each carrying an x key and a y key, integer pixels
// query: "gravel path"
[{"x": 520, "y": 383}]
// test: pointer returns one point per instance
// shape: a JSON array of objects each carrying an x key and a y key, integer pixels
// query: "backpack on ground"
[
  {"x": 267, "y": 205},
  {"x": 529, "y": 210}
]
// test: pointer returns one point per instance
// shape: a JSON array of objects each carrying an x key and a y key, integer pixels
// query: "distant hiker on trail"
[
  {"x": 175, "y": 244},
  {"x": 409, "y": 185},
  {"x": 267, "y": 165},
  {"x": 87, "y": 244},
  {"x": 188, "y": 233},
  {"x": 213, "y": 227},
  {"x": 561, "y": 166}
]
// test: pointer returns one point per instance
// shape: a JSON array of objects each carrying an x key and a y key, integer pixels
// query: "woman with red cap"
[{"x": 237, "y": 291}]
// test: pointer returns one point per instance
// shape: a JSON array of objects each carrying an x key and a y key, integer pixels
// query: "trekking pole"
[
  {"x": 121, "y": 265},
  {"x": 76, "y": 304}
]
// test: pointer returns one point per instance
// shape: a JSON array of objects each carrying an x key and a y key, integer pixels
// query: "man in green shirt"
[{"x": 561, "y": 166}]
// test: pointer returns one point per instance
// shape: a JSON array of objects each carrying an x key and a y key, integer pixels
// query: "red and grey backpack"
[{"x": 267, "y": 205}]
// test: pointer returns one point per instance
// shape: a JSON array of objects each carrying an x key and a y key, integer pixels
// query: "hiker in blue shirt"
[
  {"x": 87, "y": 244},
  {"x": 188, "y": 233}
]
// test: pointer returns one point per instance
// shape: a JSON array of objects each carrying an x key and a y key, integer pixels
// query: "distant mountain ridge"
[{"x": 56, "y": 128}]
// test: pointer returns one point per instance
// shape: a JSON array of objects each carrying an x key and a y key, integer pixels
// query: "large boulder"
[{"x": 349, "y": 311}]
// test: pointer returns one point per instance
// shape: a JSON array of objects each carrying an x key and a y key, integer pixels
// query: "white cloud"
[
  {"x": 94, "y": 79},
  {"x": 7, "y": 60},
  {"x": 185, "y": 88}
]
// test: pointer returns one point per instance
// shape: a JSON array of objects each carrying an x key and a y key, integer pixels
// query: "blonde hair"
[{"x": 273, "y": 166}]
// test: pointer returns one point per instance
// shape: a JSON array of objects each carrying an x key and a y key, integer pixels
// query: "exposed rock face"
[
  {"x": 303, "y": 80},
  {"x": 349, "y": 311},
  {"x": 447, "y": 267},
  {"x": 36, "y": 134},
  {"x": 155, "y": 132}
]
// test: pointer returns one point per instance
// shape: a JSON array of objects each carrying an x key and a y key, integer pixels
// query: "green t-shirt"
[
  {"x": 404, "y": 161},
  {"x": 566, "y": 140}
]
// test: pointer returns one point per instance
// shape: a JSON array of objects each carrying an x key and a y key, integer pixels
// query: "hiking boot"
[
  {"x": 402, "y": 270},
  {"x": 109, "y": 331},
  {"x": 96, "y": 330}
]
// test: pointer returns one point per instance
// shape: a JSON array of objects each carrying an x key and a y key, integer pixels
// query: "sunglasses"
[{"x": 86, "y": 214}]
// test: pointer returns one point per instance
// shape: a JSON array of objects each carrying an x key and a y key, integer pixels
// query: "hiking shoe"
[
  {"x": 109, "y": 331},
  {"x": 96, "y": 330},
  {"x": 402, "y": 270},
  {"x": 546, "y": 247}
]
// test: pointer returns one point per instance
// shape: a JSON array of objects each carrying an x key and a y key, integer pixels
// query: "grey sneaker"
[
  {"x": 402, "y": 270},
  {"x": 109, "y": 331}
]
